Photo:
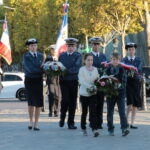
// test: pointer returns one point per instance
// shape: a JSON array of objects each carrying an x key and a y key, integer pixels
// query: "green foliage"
[{"x": 42, "y": 19}]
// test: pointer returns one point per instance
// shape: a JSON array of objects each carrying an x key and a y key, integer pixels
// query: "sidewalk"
[{"x": 14, "y": 134}]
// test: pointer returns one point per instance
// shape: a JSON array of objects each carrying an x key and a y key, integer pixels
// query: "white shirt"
[
  {"x": 86, "y": 79},
  {"x": 129, "y": 58},
  {"x": 68, "y": 53},
  {"x": 32, "y": 53},
  {"x": 95, "y": 53}
]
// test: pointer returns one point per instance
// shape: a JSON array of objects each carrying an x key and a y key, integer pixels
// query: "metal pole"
[{"x": 144, "y": 93}]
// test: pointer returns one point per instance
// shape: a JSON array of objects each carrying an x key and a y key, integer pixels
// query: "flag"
[
  {"x": 63, "y": 33},
  {"x": 5, "y": 50},
  {"x": 122, "y": 64}
]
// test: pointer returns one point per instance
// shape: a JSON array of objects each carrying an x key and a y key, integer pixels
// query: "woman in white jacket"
[{"x": 87, "y": 75}]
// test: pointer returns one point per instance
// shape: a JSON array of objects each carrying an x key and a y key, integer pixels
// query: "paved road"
[{"x": 15, "y": 136}]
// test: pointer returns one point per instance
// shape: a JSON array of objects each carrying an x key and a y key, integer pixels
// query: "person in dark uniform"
[
  {"x": 69, "y": 82},
  {"x": 53, "y": 86},
  {"x": 118, "y": 72},
  {"x": 98, "y": 58},
  {"x": 32, "y": 62},
  {"x": 133, "y": 83}
]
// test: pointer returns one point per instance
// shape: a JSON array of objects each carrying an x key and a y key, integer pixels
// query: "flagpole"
[{"x": 63, "y": 32}]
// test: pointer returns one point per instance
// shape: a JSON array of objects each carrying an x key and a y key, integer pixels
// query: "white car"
[{"x": 13, "y": 86}]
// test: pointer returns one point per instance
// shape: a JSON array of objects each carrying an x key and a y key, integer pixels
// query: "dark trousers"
[
  {"x": 100, "y": 105},
  {"x": 121, "y": 108},
  {"x": 69, "y": 90},
  {"x": 89, "y": 103},
  {"x": 53, "y": 98}
]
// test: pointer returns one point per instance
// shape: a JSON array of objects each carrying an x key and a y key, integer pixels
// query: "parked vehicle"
[{"x": 13, "y": 86}]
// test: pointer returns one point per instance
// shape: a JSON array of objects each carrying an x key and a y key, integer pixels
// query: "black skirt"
[
  {"x": 133, "y": 92},
  {"x": 34, "y": 87}
]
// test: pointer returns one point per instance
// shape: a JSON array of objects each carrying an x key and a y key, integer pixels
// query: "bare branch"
[
  {"x": 117, "y": 16},
  {"x": 126, "y": 23},
  {"x": 114, "y": 28}
]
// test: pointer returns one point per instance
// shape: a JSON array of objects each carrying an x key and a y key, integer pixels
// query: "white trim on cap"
[
  {"x": 131, "y": 43},
  {"x": 32, "y": 39}
]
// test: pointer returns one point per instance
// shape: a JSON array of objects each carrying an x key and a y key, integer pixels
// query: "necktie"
[
  {"x": 131, "y": 59},
  {"x": 97, "y": 55},
  {"x": 34, "y": 55}
]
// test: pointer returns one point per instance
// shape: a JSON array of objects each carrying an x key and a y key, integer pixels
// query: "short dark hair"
[
  {"x": 87, "y": 55},
  {"x": 115, "y": 55}
]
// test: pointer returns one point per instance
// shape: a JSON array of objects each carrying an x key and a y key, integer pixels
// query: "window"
[{"x": 11, "y": 78}]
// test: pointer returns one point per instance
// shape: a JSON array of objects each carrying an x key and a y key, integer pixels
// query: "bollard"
[{"x": 144, "y": 93}]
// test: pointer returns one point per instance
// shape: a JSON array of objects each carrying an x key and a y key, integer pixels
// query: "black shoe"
[
  {"x": 61, "y": 123},
  {"x": 96, "y": 133},
  {"x": 72, "y": 127},
  {"x": 50, "y": 114},
  {"x": 55, "y": 115},
  {"x": 125, "y": 132},
  {"x": 133, "y": 127},
  {"x": 36, "y": 129},
  {"x": 30, "y": 127}
]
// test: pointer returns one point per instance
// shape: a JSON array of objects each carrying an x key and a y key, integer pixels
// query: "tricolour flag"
[
  {"x": 5, "y": 50},
  {"x": 122, "y": 64},
  {"x": 63, "y": 33}
]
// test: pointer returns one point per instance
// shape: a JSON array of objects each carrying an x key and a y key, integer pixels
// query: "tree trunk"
[
  {"x": 104, "y": 48},
  {"x": 147, "y": 16},
  {"x": 123, "y": 45},
  {"x": 87, "y": 43}
]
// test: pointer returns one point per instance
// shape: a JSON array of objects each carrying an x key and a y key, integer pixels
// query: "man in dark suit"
[
  {"x": 98, "y": 59},
  {"x": 69, "y": 82}
]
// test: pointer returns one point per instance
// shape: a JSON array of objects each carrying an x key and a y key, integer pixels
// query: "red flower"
[{"x": 59, "y": 68}]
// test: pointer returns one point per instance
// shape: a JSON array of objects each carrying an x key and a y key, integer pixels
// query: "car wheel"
[{"x": 21, "y": 94}]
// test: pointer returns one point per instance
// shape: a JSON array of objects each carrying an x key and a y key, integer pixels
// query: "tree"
[
  {"x": 122, "y": 16},
  {"x": 105, "y": 16},
  {"x": 42, "y": 19}
]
